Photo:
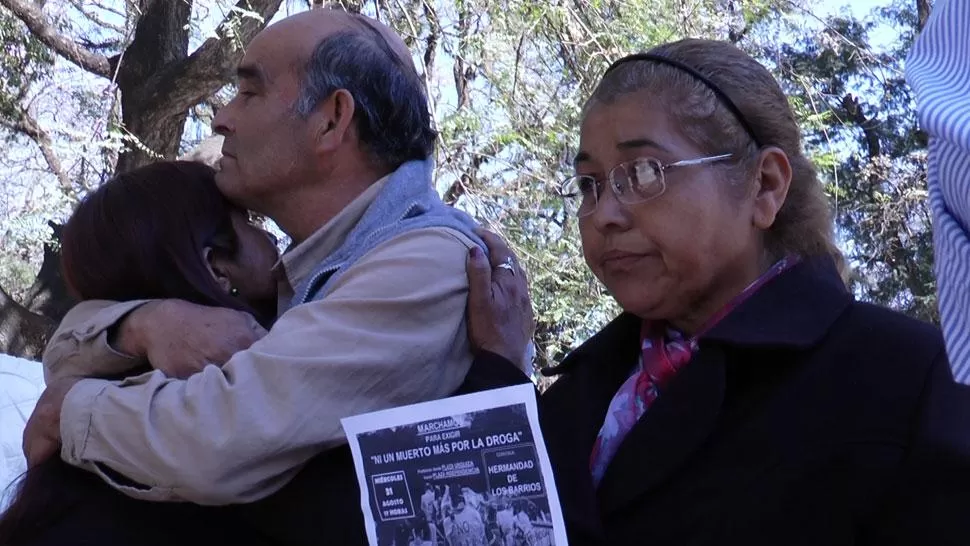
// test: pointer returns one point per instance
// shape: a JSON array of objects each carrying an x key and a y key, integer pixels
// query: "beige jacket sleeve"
[
  {"x": 80, "y": 346},
  {"x": 390, "y": 332}
]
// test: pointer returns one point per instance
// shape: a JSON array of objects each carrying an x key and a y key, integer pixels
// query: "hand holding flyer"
[{"x": 464, "y": 471}]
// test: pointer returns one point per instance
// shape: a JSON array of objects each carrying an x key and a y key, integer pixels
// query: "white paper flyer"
[{"x": 469, "y": 470}]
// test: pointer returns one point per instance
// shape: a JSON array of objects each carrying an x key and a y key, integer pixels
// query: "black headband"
[{"x": 726, "y": 100}]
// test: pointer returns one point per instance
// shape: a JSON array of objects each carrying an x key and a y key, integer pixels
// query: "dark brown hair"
[{"x": 141, "y": 235}]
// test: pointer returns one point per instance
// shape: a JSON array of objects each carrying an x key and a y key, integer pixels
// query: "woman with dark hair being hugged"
[
  {"x": 164, "y": 231},
  {"x": 742, "y": 397},
  {"x": 161, "y": 231}
]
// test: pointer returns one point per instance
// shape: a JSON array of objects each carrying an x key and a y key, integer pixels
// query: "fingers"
[
  {"x": 38, "y": 446},
  {"x": 39, "y": 450},
  {"x": 479, "y": 281},
  {"x": 258, "y": 330},
  {"x": 501, "y": 257},
  {"x": 219, "y": 353},
  {"x": 498, "y": 251},
  {"x": 235, "y": 331}
]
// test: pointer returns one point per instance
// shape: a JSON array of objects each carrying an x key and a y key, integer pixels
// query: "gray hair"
[{"x": 391, "y": 109}]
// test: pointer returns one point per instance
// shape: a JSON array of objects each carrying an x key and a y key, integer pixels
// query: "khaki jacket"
[{"x": 391, "y": 331}]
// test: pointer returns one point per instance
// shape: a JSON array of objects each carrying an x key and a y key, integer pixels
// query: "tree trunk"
[
  {"x": 158, "y": 82},
  {"x": 161, "y": 38},
  {"x": 22, "y": 333},
  {"x": 922, "y": 13},
  {"x": 25, "y": 328},
  {"x": 48, "y": 295}
]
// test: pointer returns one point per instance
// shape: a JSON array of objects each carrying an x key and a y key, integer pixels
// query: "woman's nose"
[{"x": 609, "y": 213}]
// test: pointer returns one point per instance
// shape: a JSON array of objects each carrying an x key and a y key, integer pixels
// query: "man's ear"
[
  {"x": 218, "y": 267},
  {"x": 333, "y": 118},
  {"x": 773, "y": 181}
]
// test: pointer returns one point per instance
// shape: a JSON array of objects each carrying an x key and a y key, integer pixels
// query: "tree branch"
[
  {"x": 853, "y": 112},
  {"x": 462, "y": 73},
  {"x": 28, "y": 126},
  {"x": 39, "y": 26},
  {"x": 94, "y": 18},
  {"x": 206, "y": 70}
]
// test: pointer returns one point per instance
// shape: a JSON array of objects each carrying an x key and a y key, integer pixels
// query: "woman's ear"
[
  {"x": 218, "y": 267},
  {"x": 774, "y": 178}
]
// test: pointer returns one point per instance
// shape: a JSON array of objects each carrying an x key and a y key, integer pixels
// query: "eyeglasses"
[{"x": 632, "y": 182}]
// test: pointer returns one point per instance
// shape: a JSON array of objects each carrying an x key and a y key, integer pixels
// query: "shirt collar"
[{"x": 298, "y": 262}]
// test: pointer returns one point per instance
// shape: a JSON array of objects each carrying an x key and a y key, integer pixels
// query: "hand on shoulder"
[{"x": 181, "y": 338}]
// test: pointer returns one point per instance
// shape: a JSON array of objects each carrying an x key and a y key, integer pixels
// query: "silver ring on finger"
[{"x": 508, "y": 265}]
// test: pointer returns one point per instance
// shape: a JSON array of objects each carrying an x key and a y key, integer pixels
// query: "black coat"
[
  {"x": 321, "y": 505},
  {"x": 68, "y": 506},
  {"x": 805, "y": 418}
]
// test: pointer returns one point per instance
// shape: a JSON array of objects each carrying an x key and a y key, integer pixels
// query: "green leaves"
[
  {"x": 23, "y": 61},
  {"x": 508, "y": 79},
  {"x": 860, "y": 127}
]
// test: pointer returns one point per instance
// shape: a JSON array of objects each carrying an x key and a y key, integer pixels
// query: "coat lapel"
[
  {"x": 672, "y": 429},
  {"x": 794, "y": 310},
  {"x": 572, "y": 412},
  {"x": 581, "y": 400}
]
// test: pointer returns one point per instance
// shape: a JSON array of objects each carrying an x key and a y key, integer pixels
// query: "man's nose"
[{"x": 221, "y": 123}]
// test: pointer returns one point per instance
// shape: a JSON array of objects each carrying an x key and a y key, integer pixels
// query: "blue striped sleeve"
[{"x": 938, "y": 69}]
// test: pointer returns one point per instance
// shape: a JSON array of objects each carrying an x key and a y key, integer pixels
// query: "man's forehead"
[{"x": 266, "y": 56}]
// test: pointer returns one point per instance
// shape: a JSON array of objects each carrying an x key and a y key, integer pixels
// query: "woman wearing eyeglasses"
[{"x": 743, "y": 397}]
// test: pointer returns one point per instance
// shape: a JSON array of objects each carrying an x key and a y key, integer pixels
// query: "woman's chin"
[{"x": 648, "y": 306}]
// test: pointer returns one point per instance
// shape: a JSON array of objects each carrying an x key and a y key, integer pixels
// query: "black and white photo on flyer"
[{"x": 464, "y": 471}]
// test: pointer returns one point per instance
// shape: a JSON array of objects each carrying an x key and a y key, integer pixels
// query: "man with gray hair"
[{"x": 330, "y": 136}]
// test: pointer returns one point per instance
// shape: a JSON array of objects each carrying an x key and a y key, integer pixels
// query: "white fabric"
[{"x": 21, "y": 383}]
